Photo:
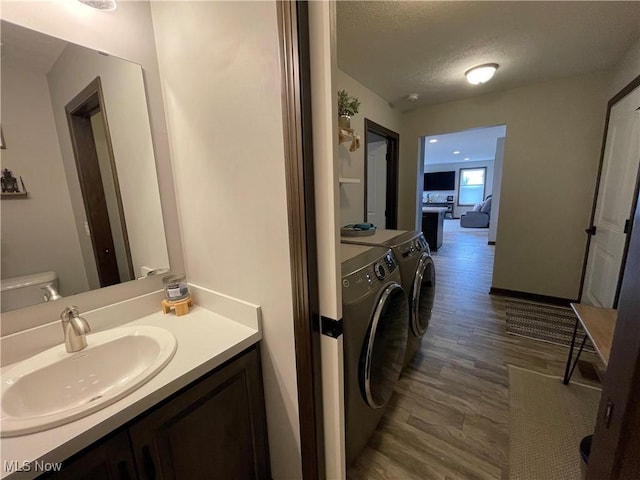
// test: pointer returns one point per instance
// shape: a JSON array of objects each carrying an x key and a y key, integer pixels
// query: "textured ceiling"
[{"x": 424, "y": 47}]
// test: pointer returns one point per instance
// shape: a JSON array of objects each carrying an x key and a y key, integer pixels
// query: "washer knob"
[
  {"x": 389, "y": 260},
  {"x": 379, "y": 271}
]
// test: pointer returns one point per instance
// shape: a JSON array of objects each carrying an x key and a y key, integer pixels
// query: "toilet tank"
[{"x": 18, "y": 292}]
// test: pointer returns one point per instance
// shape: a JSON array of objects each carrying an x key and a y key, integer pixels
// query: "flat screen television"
[{"x": 440, "y": 181}]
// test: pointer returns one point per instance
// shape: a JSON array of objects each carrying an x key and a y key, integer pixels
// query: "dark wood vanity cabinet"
[
  {"x": 109, "y": 459},
  {"x": 213, "y": 429}
]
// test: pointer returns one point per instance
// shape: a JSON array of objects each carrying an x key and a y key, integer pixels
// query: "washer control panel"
[
  {"x": 414, "y": 247},
  {"x": 370, "y": 277}
]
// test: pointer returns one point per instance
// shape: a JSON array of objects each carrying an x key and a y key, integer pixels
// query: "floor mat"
[
  {"x": 547, "y": 420},
  {"x": 549, "y": 323}
]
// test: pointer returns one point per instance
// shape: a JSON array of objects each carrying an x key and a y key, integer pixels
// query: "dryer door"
[
  {"x": 422, "y": 295},
  {"x": 384, "y": 347}
]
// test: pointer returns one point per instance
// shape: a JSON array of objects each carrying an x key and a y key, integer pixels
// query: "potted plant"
[{"x": 347, "y": 107}]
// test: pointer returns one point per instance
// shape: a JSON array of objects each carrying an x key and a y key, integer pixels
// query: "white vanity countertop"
[{"x": 205, "y": 340}]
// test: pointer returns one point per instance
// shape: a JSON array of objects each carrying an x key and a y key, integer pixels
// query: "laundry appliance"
[
  {"x": 418, "y": 275},
  {"x": 375, "y": 313}
]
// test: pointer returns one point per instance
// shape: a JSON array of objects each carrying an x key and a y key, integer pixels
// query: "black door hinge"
[
  {"x": 591, "y": 230},
  {"x": 627, "y": 225}
]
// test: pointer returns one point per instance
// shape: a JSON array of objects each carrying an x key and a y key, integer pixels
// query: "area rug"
[
  {"x": 547, "y": 420},
  {"x": 541, "y": 321}
]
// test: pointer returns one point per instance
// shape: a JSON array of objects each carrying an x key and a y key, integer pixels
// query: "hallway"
[{"x": 449, "y": 416}]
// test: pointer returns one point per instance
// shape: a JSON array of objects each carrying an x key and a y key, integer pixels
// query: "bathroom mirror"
[{"x": 78, "y": 141}]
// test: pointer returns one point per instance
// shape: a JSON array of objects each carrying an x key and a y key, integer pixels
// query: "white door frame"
[{"x": 591, "y": 230}]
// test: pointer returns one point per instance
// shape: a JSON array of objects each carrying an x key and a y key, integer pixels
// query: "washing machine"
[
  {"x": 418, "y": 277},
  {"x": 375, "y": 312}
]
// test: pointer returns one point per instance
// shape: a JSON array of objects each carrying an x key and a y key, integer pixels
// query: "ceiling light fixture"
[
  {"x": 456, "y": 152},
  {"x": 104, "y": 5},
  {"x": 412, "y": 97},
  {"x": 433, "y": 140},
  {"x": 466, "y": 158},
  {"x": 481, "y": 73}
]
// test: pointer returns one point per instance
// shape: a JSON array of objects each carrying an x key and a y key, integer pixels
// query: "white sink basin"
[{"x": 56, "y": 387}]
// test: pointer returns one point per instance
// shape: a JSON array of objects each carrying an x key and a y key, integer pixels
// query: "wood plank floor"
[{"x": 449, "y": 416}]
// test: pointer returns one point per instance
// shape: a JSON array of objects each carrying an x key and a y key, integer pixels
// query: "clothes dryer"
[
  {"x": 375, "y": 313},
  {"x": 418, "y": 274}
]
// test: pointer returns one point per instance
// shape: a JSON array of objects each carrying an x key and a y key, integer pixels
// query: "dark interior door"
[{"x": 79, "y": 113}]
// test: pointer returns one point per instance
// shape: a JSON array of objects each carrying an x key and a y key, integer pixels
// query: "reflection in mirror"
[{"x": 77, "y": 130}]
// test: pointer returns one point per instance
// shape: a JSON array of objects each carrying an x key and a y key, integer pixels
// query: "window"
[{"x": 471, "y": 189}]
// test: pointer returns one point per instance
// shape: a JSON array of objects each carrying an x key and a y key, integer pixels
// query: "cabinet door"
[
  {"x": 215, "y": 429},
  {"x": 111, "y": 459}
]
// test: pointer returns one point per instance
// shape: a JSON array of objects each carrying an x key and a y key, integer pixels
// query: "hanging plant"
[{"x": 347, "y": 106}]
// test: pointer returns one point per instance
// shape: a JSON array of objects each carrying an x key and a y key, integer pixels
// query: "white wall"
[
  {"x": 220, "y": 70},
  {"x": 38, "y": 233},
  {"x": 447, "y": 167},
  {"x": 550, "y": 163},
  {"x": 496, "y": 189},
  {"x": 128, "y": 33},
  {"x": 351, "y": 165},
  {"x": 128, "y": 122},
  {"x": 626, "y": 70}
]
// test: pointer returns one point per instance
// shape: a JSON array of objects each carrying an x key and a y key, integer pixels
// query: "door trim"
[
  {"x": 78, "y": 111},
  {"x": 293, "y": 32},
  {"x": 615, "y": 99},
  {"x": 393, "y": 162}
]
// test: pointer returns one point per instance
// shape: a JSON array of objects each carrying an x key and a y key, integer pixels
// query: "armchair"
[{"x": 478, "y": 217}]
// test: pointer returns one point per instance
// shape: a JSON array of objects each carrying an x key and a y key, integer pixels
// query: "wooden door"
[
  {"x": 615, "y": 198},
  {"x": 214, "y": 430},
  {"x": 80, "y": 111}
]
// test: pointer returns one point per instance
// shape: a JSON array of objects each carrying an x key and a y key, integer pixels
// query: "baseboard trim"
[
  {"x": 491, "y": 243},
  {"x": 503, "y": 292}
]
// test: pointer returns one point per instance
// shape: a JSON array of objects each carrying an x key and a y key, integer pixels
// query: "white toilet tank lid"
[{"x": 27, "y": 280}]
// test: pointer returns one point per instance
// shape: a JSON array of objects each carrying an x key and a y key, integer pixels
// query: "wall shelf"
[
  {"x": 344, "y": 180},
  {"x": 14, "y": 194}
]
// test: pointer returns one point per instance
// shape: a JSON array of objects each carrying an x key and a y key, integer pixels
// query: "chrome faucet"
[
  {"x": 75, "y": 329},
  {"x": 50, "y": 293}
]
